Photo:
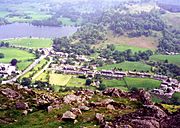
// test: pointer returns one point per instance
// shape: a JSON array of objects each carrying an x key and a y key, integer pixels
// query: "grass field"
[
  {"x": 145, "y": 83},
  {"x": 128, "y": 82},
  {"x": 20, "y": 55},
  {"x": 76, "y": 82},
  {"x": 24, "y": 65},
  {"x": 128, "y": 66},
  {"x": 59, "y": 79},
  {"x": 133, "y": 48},
  {"x": 31, "y": 42},
  {"x": 115, "y": 84},
  {"x": 174, "y": 59},
  {"x": 42, "y": 77},
  {"x": 37, "y": 68}
]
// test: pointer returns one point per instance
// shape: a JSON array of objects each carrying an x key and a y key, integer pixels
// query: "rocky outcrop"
[
  {"x": 149, "y": 116},
  {"x": 144, "y": 97},
  {"x": 68, "y": 115},
  {"x": 71, "y": 98},
  {"x": 76, "y": 111},
  {"x": 115, "y": 92},
  {"x": 100, "y": 118},
  {"x": 9, "y": 93},
  {"x": 21, "y": 106}
]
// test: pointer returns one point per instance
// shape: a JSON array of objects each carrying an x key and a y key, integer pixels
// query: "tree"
[
  {"x": 88, "y": 82},
  {"x": 13, "y": 62},
  {"x": 1, "y": 55},
  {"x": 26, "y": 81},
  {"x": 102, "y": 86}
]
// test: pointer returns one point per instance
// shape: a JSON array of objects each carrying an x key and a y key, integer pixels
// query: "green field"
[
  {"x": 128, "y": 66},
  {"x": 76, "y": 82},
  {"x": 37, "y": 68},
  {"x": 31, "y": 42},
  {"x": 128, "y": 83},
  {"x": 115, "y": 84},
  {"x": 20, "y": 55},
  {"x": 174, "y": 59},
  {"x": 133, "y": 48},
  {"x": 23, "y": 65},
  {"x": 42, "y": 77},
  {"x": 145, "y": 83},
  {"x": 59, "y": 79}
]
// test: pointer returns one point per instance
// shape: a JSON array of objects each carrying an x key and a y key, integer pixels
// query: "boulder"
[
  {"x": 71, "y": 98},
  {"x": 137, "y": 123},
  {"x": 84, "y": 108},
  {"x": 100, "y": 118},
  {"x": 144, "y": 97},
  {"x": 76, "y": 111},
  {"x": 115, "y": 92},
  {"x": 50, "y": 108},
  {"x": 9, "y": 93},
  {"x": 110, "y": 107},
  {"x": 21, "y": 105},
  {"x": 25, "y": 112},
  {"x": 68, "y": 115},
  {"x": 155, "y": 111}
]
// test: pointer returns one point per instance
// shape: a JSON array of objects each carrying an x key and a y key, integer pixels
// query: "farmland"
[
  {"x": 59, "y": 79},
  {"x": 145, "y": 83},
  {"x": 22, "y": 56},
  {"x": 174, "y": 59},
  {"x": 31, "y": 42},
  {"x": 128, "y": 66},
  {"x": 128, "y": 83}
]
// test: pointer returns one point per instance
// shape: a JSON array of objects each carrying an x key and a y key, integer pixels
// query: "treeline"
[
  {"x": 90, "y": 34},
  {"x": 170, "y": 42},
  {"x": 84, "y": 38},
  {"x": 134, "y": 25},
  {"x": 127, "y": 55},
  {"x": 64, "y": 45},
  {"x": 4, "y": 44},
  {"x": 165, "y": 68},
  {"x": 47, "y": 22}
]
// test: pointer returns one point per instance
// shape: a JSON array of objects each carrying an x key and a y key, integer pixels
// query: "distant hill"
[{"x": 170, "y": 5}]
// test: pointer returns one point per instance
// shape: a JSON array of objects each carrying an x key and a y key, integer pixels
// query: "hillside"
[{"x": 22, "y": 107}]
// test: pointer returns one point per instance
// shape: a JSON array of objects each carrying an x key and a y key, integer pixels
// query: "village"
[{"x": 167, "y": 88}]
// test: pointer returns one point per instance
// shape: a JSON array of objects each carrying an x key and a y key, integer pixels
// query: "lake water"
[{"x": 19, "y": 30}]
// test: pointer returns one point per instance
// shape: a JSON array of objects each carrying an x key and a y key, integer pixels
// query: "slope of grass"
[
  {"x": 174, "y": 59},
  {"x": 31, "y": 42},
  {"x": 126, "y": 66}
]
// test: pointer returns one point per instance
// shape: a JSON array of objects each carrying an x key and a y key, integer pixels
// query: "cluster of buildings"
[
  {"x": 77, "y": 70},
  {"x": 167, "y": 88},
  {"x": 7, "y": 70}
]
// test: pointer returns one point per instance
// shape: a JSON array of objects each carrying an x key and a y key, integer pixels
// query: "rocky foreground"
[{"x": 112, "y": 108}]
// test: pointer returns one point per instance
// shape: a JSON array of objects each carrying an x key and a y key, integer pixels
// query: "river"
[{"x": 20, "y": 30}]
